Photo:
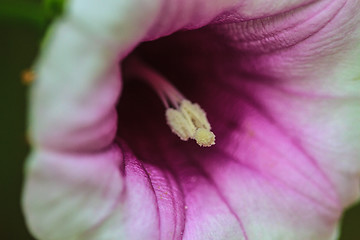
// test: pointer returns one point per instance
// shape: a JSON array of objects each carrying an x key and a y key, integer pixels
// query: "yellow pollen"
[
  {"x": 186, "y": 119},
  {"x": 189, "y": 121},
  {"x": 179, "y": 124},
  {"x": 204, "y": 137}
]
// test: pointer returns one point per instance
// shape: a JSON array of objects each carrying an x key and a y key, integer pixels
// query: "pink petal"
[{"x": 279, "y": 91}]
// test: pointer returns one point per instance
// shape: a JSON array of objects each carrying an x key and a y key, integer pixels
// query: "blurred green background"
[{"x": 22, "y": 25}]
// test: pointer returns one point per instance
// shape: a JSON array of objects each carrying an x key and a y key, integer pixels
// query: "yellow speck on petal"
[
  {"x": 204, "y": 137},
  {"x": 27, "y": 76}
]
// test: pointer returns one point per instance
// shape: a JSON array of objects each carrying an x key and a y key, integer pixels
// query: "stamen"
[
  {"x": 189, "y": 121},
  {"x": 186, "y": 119},
  {"x": 204, "y": 137}
]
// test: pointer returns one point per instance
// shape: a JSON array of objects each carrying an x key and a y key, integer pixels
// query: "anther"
[
  {"x": 186, "y": 119},
  {"x": 189, "y": 121}
]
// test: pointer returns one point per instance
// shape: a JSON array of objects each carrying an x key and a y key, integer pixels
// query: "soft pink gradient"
[{"x": 280, "y": 85}]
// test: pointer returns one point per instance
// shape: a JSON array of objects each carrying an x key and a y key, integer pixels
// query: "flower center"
[{"x": 186, "y": 119}]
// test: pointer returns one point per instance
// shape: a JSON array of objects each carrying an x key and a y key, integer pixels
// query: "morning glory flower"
[{"x": 123, "y": 89}]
